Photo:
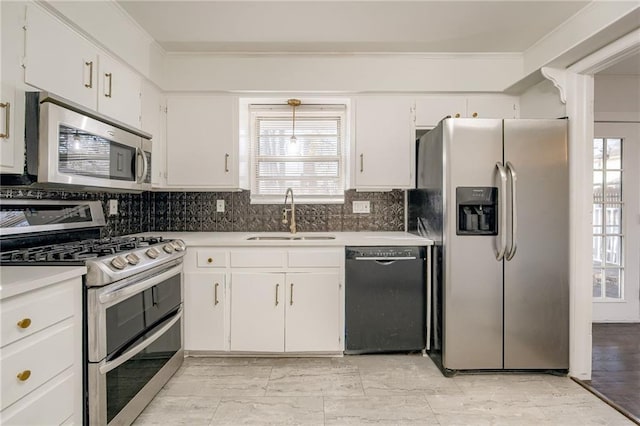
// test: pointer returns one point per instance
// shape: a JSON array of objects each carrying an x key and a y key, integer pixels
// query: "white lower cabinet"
[
  {"x": 257, "y": 312},
  {"x": 205, "y": 311},
  {"x": 285, "y": 312},
  {"x": 312, "y": 313},
  {"x": 264, "y": 300},
  {"x": 41, "y": 355}
]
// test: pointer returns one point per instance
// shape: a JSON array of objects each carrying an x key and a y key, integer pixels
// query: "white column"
[{"x": 579, "y": 102}]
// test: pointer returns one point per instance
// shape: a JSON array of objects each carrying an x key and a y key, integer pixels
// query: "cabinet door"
[
  {"x": 119, "y": 91},
  {"x": 312, "y": 314},
  {"x": 12, "y": 88},
  {"x": 205, "y": 311},
  {"x": 59, "y": 60},
  {"x": 8, "y": 161},
  {"x": 431, "y": 109},
  {"x": 153, "y": 120},
  {"x": 384, "y": 143},
  {"x": 492, "y": 107},
  {"x": 257, "y": 312},
  {"x": 202, "y": 141}
]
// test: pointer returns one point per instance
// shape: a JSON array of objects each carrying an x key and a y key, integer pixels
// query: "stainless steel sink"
[
  {"x": 319, "y": 237},
  {"x": 291, "y": 237},
  {"x": 269, "y": 238}
]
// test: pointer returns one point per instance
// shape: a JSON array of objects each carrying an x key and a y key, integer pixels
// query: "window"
[
  {"x": 312, "y": 164},
  {"x": 608, "y": 236}
]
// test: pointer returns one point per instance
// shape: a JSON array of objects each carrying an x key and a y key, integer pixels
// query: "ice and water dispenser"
[{"x": 477, "y": 210}]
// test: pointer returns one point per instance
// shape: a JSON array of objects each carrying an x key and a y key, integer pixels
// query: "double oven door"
[{"x": 134, "y": 342}]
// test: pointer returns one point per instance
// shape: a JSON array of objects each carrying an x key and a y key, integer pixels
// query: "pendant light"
[{"x": 293, "y": 103}]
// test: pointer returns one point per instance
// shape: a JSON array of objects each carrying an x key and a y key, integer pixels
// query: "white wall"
[
  {"x": 542, "y": 101},
  {"x": 617, "y": 98},
  {"x": 353, "y": 73}
]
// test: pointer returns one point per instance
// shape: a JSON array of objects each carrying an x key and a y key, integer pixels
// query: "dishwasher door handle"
[{"x": 386, "y": 259}]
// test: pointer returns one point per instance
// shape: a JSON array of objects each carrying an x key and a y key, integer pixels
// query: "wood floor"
[{"x": 616, "y": 365}]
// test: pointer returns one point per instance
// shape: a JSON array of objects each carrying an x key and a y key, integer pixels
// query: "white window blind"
[{"x": 313, "y": 165}]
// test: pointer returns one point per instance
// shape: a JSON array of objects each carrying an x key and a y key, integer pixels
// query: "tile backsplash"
[{"x": 196, "y": 211}]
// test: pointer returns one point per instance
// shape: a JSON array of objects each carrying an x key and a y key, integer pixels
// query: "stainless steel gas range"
[{"x": 132, "y": 299}]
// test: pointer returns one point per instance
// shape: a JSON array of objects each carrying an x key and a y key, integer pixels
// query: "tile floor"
[{"x": 366, "y": 389}]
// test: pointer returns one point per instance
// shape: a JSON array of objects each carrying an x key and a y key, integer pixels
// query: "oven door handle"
[
  {"x": 129, "y": 288},
  {"x": 130, "y": 353}
]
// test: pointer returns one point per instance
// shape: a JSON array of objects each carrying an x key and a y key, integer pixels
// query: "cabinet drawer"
[
  {"x": 25, "y": 314},
  {"x": 51, "y": 403},
  {"x": 44, "y": 355},
  {"x": 258, "y": 259},
  {"x": 305, "y": 258},
  {"x": 212, "y": 258}
]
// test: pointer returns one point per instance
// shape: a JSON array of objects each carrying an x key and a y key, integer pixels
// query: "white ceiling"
[{"x": 349, "y": 26}]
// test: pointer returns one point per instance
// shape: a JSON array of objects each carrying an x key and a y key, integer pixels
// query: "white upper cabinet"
[
  {"x": 119, "y": 91},
  {"x": 61, "y": 61},
  {"x": 384, "y": 143},
  {"x": 153, "y": 121},
  {"x": 11, "y": 88},
  {"x": 431, "y": 109},
  {"x": 202, "y": 142},
  {"x": 499, "y": 106}
]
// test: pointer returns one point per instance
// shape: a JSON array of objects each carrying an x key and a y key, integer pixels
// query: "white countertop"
[
  {"x": 19, "y": 279},
  {"x": 235, "y": 239}
]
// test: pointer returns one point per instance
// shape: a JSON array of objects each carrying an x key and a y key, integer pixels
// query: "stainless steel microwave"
[{"x": 68, "y": 146}]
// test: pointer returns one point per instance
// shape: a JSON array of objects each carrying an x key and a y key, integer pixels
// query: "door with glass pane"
[{"x": 616, "y": 222}]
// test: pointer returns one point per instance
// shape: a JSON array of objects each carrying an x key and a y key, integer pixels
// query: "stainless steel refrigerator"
[{"x": 494, "y": 196}]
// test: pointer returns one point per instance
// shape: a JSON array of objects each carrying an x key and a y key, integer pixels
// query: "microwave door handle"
[
  {"x": 145, "y": 162},
  {"x": 140, "y": 155},
  {"x": 130, "y": 353}
]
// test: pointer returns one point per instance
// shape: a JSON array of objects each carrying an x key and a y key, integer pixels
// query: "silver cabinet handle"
[
  {"x": 291, "y": 295},
  {"x": 90, "y": 65},
  {"x": 514, "y": 213},
  {"x": 226, "y": 163},
  {"x": 110, "y": 77},
  {"x": 277, "y": 291},
  {"x": 503, "y": 212},
  {"x": 7, "y": 120},
  {"x": 361, "y": 163},
  {"x": 215, "y": 294}
]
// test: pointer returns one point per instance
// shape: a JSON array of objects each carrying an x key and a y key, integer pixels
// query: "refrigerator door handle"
[
  {"x": 514, "y": 212},
  {"x": 503, "y": 212}
]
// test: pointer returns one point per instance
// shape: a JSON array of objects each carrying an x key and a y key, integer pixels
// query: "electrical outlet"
[
  {"x": 220, "y": 206},
  {"x": 113, "y": 207},
  {"x": 362, "y": 207}
]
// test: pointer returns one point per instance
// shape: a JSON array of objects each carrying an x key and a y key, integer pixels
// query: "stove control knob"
[
  {"x": 132, "y": 258},
  {"x": 168, "y": 248},
  {"x": 118, "y": 262},
  {"x": 153, "y": 253},
  {"x": 178, "y": 245}
]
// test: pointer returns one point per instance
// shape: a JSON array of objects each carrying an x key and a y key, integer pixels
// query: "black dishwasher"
[{"x": 385, "y": 299}]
